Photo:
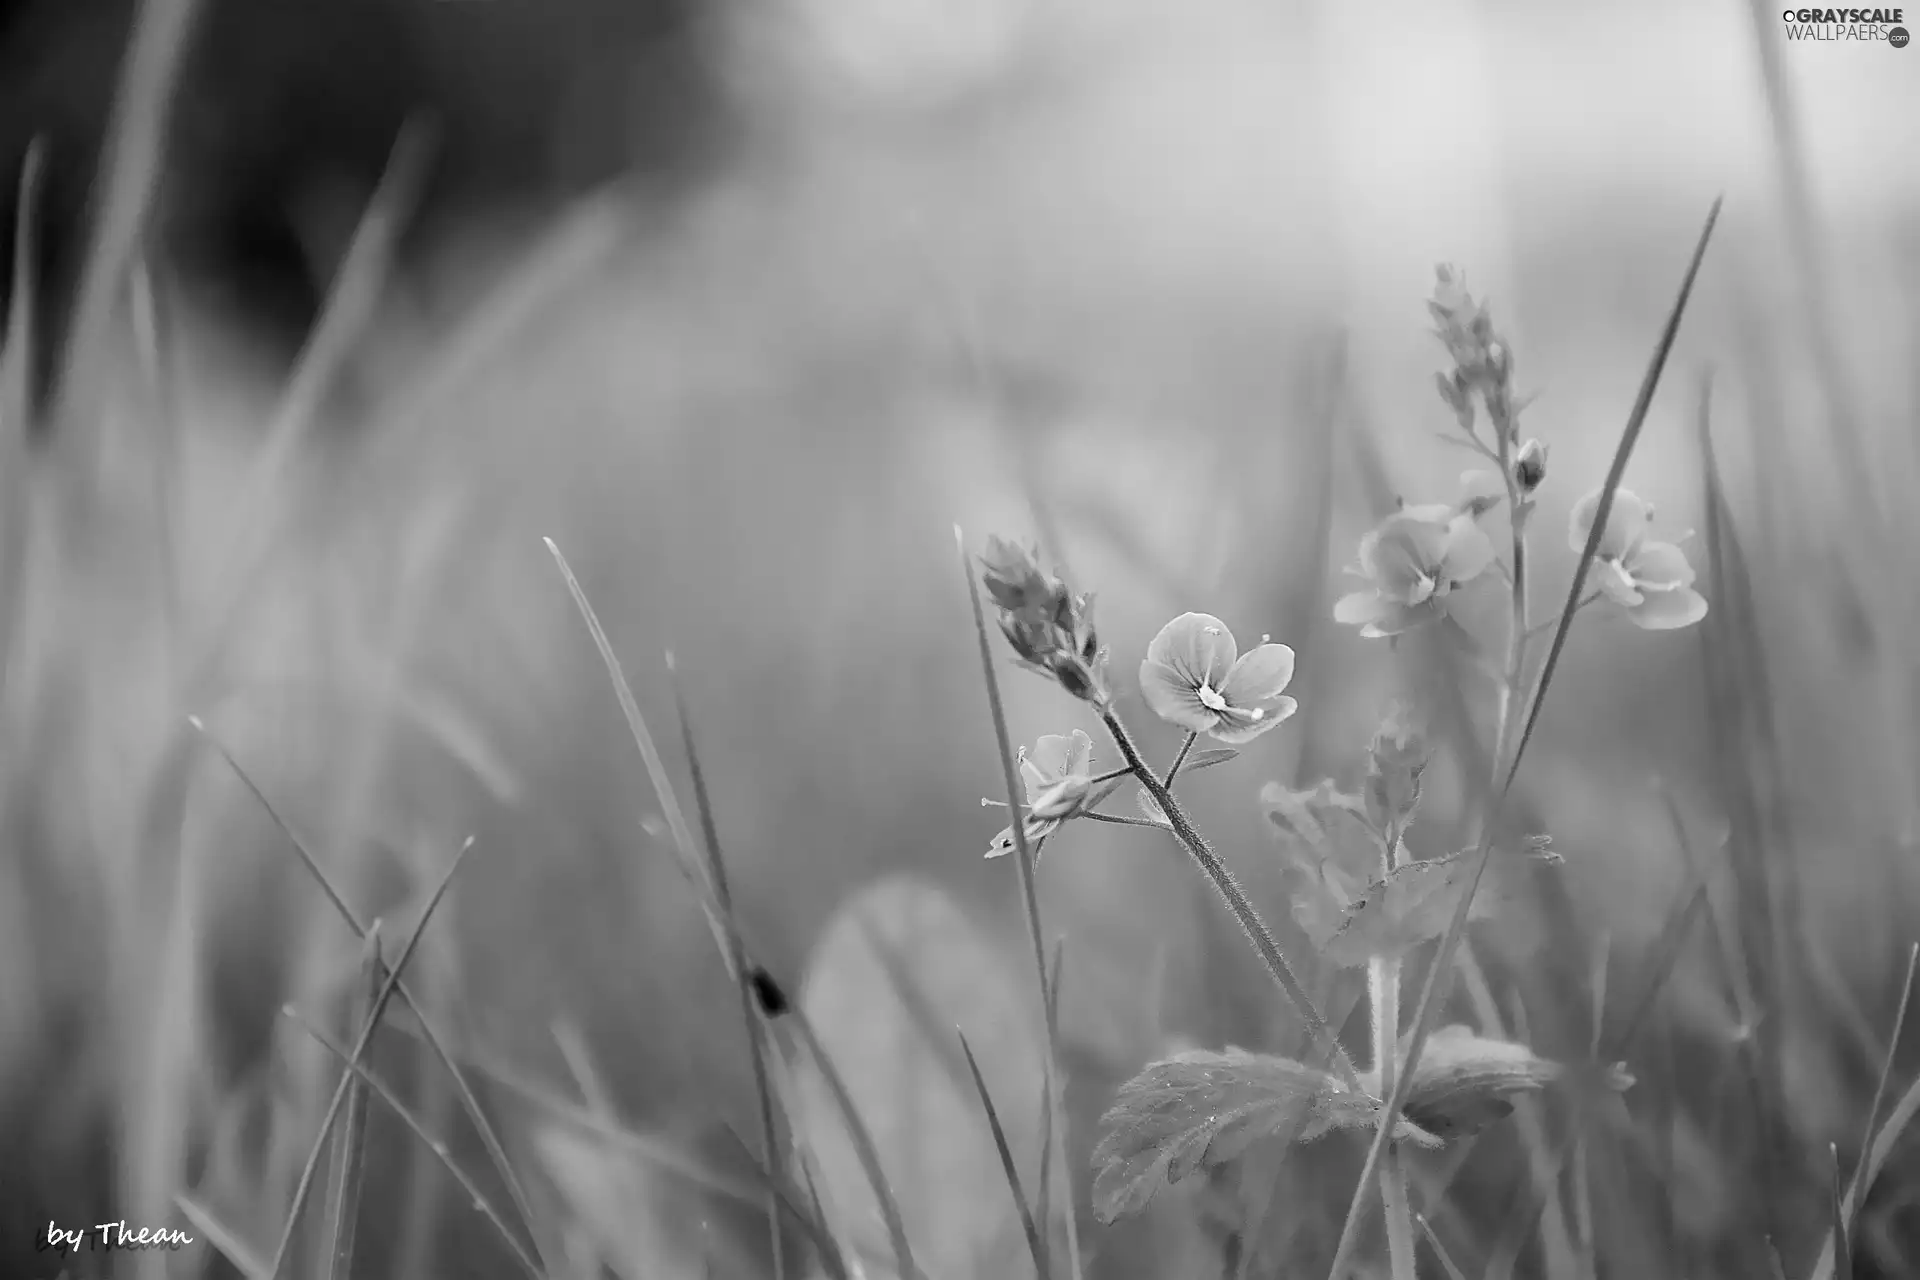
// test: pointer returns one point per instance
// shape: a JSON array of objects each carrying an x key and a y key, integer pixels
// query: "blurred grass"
[{"x": 752, "y": 427}]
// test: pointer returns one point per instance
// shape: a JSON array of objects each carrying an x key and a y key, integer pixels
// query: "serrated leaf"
[
  {"x": 1415, "y": 904},
  {"x": 1202, "y": 1109},
  {"x": 1330, "y": 852}
]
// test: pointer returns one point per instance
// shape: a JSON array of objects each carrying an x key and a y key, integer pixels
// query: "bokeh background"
[{"x": 746, "y": 304}]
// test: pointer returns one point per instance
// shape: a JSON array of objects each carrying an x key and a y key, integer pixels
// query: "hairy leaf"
[
  {"x": 1331, "y": 852},
  {"x": 1466, "y": 1081},
  {"x": 1202, "y": 1109},
  {"x": 1415, "y": 904}
]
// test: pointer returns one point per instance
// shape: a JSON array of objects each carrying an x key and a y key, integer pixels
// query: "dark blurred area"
[{"x": 288, "y": 113}]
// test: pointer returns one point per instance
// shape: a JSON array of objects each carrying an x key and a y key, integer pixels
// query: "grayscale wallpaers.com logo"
[{"x": 1847, "y": 24}]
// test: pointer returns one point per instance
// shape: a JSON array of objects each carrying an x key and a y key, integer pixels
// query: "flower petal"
[
  {"x": 1079, "y": 754},
  {"x": 1481, "y": 486},
  {"x": 1173, "y": 698},
  {"x": 1627, "y": 523},
  {"x": 1238, "y": 726},
  {"x": 1397, "y": 619},
  {"x": 1360, "y": 608},
  {"x": 1196, "y": 645},
  {"x": 1468, "y": 551},
  {"x": 1050, "y": 756},
  {"x": 1259, "y": 676},
  {"x": 1192, "y": 651},
  {"x": 1660, "y": 566},
  {"x": 1615, "y": 583},
  {"x": 1668, "y": 610},
  {"x": 1406, "y": 554}
]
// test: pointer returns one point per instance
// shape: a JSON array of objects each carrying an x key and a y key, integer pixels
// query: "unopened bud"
[
  {"x": 1396, "y": 759},
  {"x": 1530, "y": 468}
]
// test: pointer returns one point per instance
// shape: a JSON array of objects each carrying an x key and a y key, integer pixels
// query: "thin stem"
[
  {"x": 1121, "y": 820},
  {"x": 1173, "y": 770},
  {"x": 1234, "y": 896},
  {"x": 1383, "y": 991},
  {"x": 1540, "y": 629},
  {"x": 1028, "y": 857}
]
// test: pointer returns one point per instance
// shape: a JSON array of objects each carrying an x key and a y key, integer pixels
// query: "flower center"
[
  {"x": 1210, "y": 698},
  {"x": 1424, "y": 587}
]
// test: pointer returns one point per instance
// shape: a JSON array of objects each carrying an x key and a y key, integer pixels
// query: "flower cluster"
[
  {"x": 1482, "y": 360},
  {"x": 1416, "y": 560},
  {"x": 1050, "y": 628}
]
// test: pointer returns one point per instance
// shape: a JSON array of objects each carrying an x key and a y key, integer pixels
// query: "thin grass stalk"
[
  {"x": 1734, "y": 717},
  {"x": 358, "y": 1071},
  {"x": 1008, "y": 1167},
  {"x": 1383, "y": 990},
  {"x": 749, "y": 1016},
  {"x": 864, "y": 1147},
  {"x": 350, "y": 1142},
  {"x": 223, "y": 1239},
  {"x": 365, "y": 1040},
  {"x": 1030, "y": 904},
  {"x": 1443, "y": 958},
  {"x": 1878, "y": 1146},
  {"x": 469, "y": 1100},
  {"x": 128, "y": 178},
  {"x": 18, "y": 363}
]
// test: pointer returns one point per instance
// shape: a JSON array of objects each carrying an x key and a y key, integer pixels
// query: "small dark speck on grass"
[{"x": 767, "y": 993}]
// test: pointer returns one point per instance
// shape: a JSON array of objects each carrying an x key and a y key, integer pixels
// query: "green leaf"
[
  {"x": 1202, "y": 1109},
  {"x": 1466, "y": 1081},
  {"x": 1208, "y": 758},
  {"x": 1330, "y": 853},
  {"x": 1415, "y": 904}
]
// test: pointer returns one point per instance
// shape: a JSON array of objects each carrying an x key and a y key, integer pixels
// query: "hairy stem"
[{"x": 1234, "y": 896}]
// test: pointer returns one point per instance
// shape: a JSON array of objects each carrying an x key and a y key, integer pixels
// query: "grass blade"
[
  {"x": 1443, "y": 959},
  {"x": 469, "y": 1100},
  {"x": 225, "y": 1241},
  {"x": 360, "y": 1046},
  {"x": 1035, "y": 1244},
  {"x": 750, "y": 1018},
  {"x": 349, "y": 1173},
  {"x": 1054, "y": 1149},
  {"x": 685, "y": 849},
  {"x": 1447, "y": 1264},
  {"x": 863, "y": 1144},
  {"x": 18, "y": 364},
  {"x": 1832, "y": 1264},
  {"x": 1839, "y": 1234},
  {"x": 129, "y": 174},
  {"x": 359, "y": 1071}
]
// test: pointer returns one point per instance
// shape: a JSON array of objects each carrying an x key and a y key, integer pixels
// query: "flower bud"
[
  {"x": 1530, "y": 468},
  {"x": 1396, "y": 759}
]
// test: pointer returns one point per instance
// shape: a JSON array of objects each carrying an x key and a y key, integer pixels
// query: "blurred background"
[{"x": 324, "y": 315}]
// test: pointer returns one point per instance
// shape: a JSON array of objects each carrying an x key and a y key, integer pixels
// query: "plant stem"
[
  {"x": 1383, "y": 991},
  {"x": 1173, "y": 770},
  {"x": 1234, "y": 896}
]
